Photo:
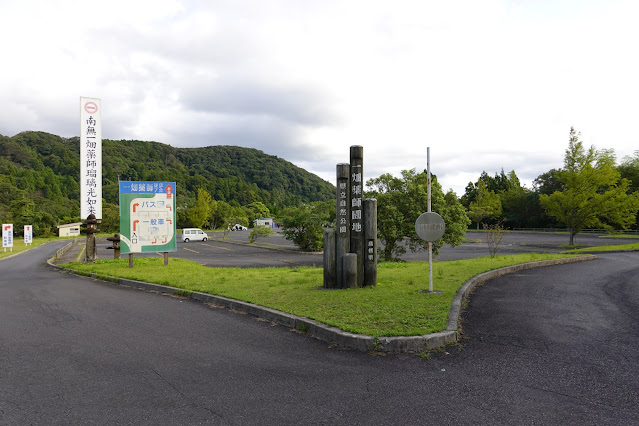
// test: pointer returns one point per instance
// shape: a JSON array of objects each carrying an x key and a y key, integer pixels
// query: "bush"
[
  {"x": 259, "y": 231},
  {"x": 494, "y": 237}
]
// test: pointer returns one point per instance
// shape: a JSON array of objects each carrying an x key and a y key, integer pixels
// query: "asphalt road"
[{"x": 555, "y": 345}]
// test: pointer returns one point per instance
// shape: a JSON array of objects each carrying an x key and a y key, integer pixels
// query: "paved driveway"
[{"x": 555, "y": 345}]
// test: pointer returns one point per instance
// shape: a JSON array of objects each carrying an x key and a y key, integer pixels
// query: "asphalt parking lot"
[
  {"x": 554, "y": 345},
  {"x": 276, "y": 251}
]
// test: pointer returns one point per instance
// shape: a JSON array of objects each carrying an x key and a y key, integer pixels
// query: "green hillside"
[{"x": 39, "y": 175}]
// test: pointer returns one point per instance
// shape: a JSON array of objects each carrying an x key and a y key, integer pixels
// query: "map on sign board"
[{"x": 147, "y": 217}]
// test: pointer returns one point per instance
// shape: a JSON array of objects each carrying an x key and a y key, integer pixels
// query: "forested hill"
[{"x": 45, "y": 168}]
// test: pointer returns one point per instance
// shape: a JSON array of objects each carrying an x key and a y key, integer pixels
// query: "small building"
[
  {"x": 69, "y": 230},
  {"x": 269, "y": 222}
]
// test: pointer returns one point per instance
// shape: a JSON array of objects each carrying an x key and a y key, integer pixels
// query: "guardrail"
[
  {"x": 584, "y": 231},
  {"x": 63, "y": 250}
]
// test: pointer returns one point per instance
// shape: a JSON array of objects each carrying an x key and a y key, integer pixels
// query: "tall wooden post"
[
  {"x": 349, "y": 268},
  {"x": 357, "y": 209},
  {"x": 342, "y": 225},
  {"x": 330, "y": 280},
  {"x": 370, "y": 237}
]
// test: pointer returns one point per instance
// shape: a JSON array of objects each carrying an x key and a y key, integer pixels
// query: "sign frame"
[{"x": 147, "y": 217}]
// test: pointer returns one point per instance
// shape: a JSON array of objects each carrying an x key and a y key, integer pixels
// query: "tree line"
[
  {"x": 39, "y": 180},
  {"x": 590, "y": 191},
  {"x": 222, "y": 185}
]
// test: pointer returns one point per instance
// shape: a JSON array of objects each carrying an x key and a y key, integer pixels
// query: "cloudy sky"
[{"x": 486, "y": 85}]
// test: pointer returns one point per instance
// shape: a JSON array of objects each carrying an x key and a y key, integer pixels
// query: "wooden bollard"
[
  {"x": 370, "y": 241},
  {"x": 349, "y": 266},
  {"x": 329, "y": 259}
]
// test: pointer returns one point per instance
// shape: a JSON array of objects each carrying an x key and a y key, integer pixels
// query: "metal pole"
[
  {"x": 428, "y": 170},
  {"x": 430, "y": 244}
]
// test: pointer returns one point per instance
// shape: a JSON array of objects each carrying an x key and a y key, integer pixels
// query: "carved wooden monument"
[{"x": 350, "y": 250}]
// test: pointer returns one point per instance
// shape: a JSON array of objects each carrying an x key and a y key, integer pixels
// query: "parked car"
[
  {"x": 194, "y": 234},
  {"x": 238, "y": 227}
]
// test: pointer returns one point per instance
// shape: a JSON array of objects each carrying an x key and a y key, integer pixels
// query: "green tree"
[
  {"x": 498, "y": 184},
  {"x": 400, "y": 201},
  {"x": 222, "y": 215},
  {"x": 549, "y": 182},
  {"x": 304, "y": 226},
  {"x": 199, "y": 214},
  {"x": 23, "y": 212},
  {"x": 595, "y": 195},
  {"x": 629, "y": 169},
  {"x": 256, "y": 210},
  {"x": 110, "y": 218},
  {"x": 487, "y": 204}
]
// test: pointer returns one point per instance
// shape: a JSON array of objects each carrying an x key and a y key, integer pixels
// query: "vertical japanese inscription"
[
  {"x": 357, "y": 215},
  {"x": 90, "y": 158},
  {"x": 342, "y": 207},
  {"x": 343, "y": 222}
]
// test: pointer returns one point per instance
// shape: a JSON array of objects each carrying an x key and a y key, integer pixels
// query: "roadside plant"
[
  {"x": 494, "y": 237},
  {"x": 259, "y": 232}
]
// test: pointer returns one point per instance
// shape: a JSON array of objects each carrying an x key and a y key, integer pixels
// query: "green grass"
[
  {"x": 395, "y": 307},
  {"x": 20, "y": 246},
  {"x": 619, "y": 247}
]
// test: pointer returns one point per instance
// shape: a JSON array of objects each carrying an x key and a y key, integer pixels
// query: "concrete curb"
[{"x": 336, "y": 336}]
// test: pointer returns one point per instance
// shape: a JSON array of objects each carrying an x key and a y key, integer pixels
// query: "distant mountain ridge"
[{"x": 45, "y": 168}]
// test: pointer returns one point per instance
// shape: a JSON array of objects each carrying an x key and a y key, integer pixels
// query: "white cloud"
[{"x": 487, "y": 85}]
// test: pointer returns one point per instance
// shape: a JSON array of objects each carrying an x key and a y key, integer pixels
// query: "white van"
[{"x": 193, "y": 234}]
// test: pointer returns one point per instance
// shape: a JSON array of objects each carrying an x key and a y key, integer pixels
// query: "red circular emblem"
[{"x": 91, "y": 107}]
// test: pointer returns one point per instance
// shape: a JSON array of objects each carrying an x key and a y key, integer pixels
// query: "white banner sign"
[
  {"x": 28, "y": 234},
  {"x": 7, "y": 235},
  {"x": 90, "y": 158}
]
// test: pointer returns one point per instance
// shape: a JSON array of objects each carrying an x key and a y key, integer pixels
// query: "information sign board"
[
  {"x": 90, "y": 158},
  {"x": 7, "y": 235},
  {"x": 28, "y": 234},
  {"x": 147, "y": 217}
]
